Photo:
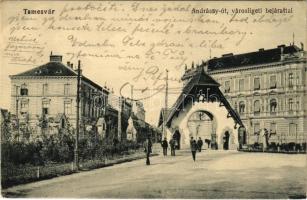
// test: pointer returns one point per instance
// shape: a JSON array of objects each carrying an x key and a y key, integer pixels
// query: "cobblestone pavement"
[{"x": 215, "y": 174}]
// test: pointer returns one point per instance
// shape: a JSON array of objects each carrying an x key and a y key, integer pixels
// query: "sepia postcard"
[{"x": 153, "y": 99}]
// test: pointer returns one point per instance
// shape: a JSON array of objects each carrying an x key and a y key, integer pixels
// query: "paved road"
[{"x": 216, "y": 174}]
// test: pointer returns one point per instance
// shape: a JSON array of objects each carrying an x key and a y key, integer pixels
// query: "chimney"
[
  {"x": 262, "y": 49},
  {"x": 281, "y": 47},
  {"x": 68, "y": 63},
  {"x": 72, "y": 65},
  {"x": 302, "y": 46},
  {"x": 55, "y": 58}
]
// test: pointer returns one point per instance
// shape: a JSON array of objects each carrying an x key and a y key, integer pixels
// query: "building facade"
[
  {"x": 267, "y": 88},
  {"x": 49, "y": 92}
]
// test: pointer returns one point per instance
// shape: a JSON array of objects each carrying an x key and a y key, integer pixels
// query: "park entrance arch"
[{"x": 201, "y": 110}]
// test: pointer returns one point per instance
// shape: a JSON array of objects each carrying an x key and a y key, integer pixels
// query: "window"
[
  {"x": 227, "y": 86},
  {"x": 291, "y": 80},
  {"x": 273, "y": 128},
  {"x": 273, "y": 105},
  {"x": 256, "y": 128},
  {"x": 67, "y": 108},
  {"x": 103, "y": 126},
  {"x": 292, "y": 129},
  {"x": 45, "y": 108},
  {"x": 23, "y": 90},
  {"x": 45, "y": 89},
  {"x": 272, "y": 82},
  {"x": 256, "y": 83},
  {"x": 24, "y": 105},
  {"x": 290, "y": 104},
  {"x": 66, "y": 89},
  {"x": 241, "y": 85},
  {"x": 45, "y": 111},
  {"x": 257, "y": 107},
  {"x": 241, "y": 107}
]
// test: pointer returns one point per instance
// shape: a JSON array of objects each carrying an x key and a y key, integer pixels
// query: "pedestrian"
[
  {"x": 164, "y": 145},
  {"x": 193, "y": 146},
  {"x": 172, "y": 143},
  {"x": 147, "y": 147},
  {"x": 199, "y": 144}
]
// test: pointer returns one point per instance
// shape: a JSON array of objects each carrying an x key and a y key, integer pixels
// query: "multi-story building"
[
  {"x": 50, "y": 91},
  {"x": 267, "y": 88}
]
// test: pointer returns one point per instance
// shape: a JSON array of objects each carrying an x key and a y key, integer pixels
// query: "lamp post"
[
  {"x": 76, "y": 156},
  {"x": 17, "y": 117},
  {"x": 119, "y": 119},
  {"x": 165, "y": 104}
]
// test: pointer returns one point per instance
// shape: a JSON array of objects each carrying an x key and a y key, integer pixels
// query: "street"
[{"x": 215, "y": 174}]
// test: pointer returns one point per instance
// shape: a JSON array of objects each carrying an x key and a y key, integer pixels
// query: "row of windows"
[
  {"x": 272, "y": 129},
  {"x": 273, "y": 106},
  {"x": 24, "y": 105},
  {"x": 257, "y": 84},
  {"x": 24, "y": 90},
  {"x": 66, "y": 91}
]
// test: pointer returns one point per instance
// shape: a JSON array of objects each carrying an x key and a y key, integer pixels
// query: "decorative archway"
[
  {"x": 220, "y": 124},
  {"x": 202, "y": 94}
]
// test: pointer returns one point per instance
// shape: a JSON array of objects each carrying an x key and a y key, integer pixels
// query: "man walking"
[
  {"x": 147, "y": 146},
  {"x": 172, "y": 143},
  {"x": 193, "y": 146},
  {"x": 164, "y": 146},
  {"x": 199, "y": 144}
]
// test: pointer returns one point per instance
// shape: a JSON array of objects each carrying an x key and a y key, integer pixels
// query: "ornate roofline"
[{"x": 260, "y": 66}]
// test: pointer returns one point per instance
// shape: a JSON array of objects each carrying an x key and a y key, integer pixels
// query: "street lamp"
[
  {"x": 76, "y": 156},
  {"x": 17, "y": 118}
]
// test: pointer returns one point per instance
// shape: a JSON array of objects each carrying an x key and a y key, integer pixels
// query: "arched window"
[
  {"x": 291, "y": 80},
  {"x": 257, "y": 107},
  {"x": 273, "y": 105},
  {"x": 290, "y": 104},
  {"x": 241, "y": 107}
]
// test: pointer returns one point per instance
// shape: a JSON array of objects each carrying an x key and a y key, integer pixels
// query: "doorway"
[{"x": 226, "y": 140}]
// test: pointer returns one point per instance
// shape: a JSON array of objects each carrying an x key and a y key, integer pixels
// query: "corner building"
[
  {"x": 267, "y": 88},
  {"x": 50, "y": 90}
]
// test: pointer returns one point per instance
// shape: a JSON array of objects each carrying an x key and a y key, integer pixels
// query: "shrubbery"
[
  {"x": 274, "y": 147},
  {"x": 60, "y": 149}
]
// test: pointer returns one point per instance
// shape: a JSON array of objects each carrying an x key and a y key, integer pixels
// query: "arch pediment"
[
  {"x": 256, "y": 93},
  {"x": 241, "y": 95},
  {"x": 272, "y": 92}
]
